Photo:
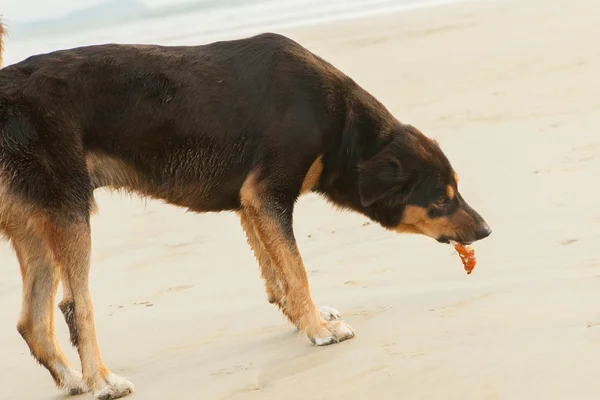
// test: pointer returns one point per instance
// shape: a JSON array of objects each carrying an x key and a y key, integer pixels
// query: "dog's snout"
[{"x": 482, "y": 231}]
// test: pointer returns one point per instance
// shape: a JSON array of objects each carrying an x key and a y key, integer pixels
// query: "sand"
[{"x": 511, "y": 91}]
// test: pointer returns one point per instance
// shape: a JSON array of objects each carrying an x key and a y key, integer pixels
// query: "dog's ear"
[{"x": 380, "y": 177}]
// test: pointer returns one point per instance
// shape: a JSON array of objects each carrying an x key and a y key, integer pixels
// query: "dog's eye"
[{"x": 442, "y": 201}]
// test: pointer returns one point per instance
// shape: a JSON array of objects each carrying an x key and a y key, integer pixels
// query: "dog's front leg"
[
  {"x": 269, "y": 222},
  {"x": 274, "y": 285}
]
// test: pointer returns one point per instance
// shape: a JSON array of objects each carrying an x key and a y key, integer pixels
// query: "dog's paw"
[
  {"x": 72, "y": 383},
  {"x": 114, "y": 387},
  {"x": 329, "y": 313},
  {"x": 333, "y": 332}
]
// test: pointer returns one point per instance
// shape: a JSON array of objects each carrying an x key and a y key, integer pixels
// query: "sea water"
[{"x": 184, "y": 23}]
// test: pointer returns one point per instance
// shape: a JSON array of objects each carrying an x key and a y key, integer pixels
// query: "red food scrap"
[{"x": 467, "y": 256}]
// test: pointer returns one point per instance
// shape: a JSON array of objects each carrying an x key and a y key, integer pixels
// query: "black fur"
[{"x": 68, "y": 310}]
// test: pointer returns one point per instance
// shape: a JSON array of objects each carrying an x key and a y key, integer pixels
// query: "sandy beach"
[{"x": 511, "y": 90}]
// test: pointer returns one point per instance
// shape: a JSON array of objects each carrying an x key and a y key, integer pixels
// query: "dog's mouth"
[
  {"x": 480, "y": 232},
  {"x": 443, "y": 239},
  {"x": 446, "y": 240},
  {"x": 455, "y": 243}
]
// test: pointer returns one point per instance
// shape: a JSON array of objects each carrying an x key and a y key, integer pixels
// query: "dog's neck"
[{"x": 368, "y": 127}]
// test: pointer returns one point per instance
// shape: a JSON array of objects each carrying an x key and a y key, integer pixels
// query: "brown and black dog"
[{"x": 245, "y": 125}]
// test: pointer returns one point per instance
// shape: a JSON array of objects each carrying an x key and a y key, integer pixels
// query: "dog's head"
[{"x": 410, "y": 186}]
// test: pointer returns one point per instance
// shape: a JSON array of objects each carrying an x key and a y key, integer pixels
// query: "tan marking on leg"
[
  {"x": 40, "y": 277},
  {"x": 311, "y": 180},
  {"x": 456, "y": 179},
  {"x": 299, "y": 307},
  {"x": 287, "y": 262},
  {"x": 71, "y": 245},
  {"x": 274, "y": 286}
]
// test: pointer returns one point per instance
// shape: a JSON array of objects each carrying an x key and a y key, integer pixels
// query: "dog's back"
[{"x": 185, "y": 124}]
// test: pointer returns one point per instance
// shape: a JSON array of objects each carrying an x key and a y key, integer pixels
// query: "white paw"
[
  {"x": 114, "y": 388},
  {"x": 72, "y": 382},
  {"x": 335, "y": 332},
  {"x": 329, "y": 313}
]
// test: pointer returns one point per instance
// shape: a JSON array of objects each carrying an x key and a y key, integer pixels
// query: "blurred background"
[{"x": 41, "y": 26}]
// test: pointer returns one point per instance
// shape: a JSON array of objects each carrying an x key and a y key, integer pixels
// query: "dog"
[{"x": 246, "y": 125}]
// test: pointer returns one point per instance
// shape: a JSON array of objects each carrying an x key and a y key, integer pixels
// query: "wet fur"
[{"x": 245, "y": 125}]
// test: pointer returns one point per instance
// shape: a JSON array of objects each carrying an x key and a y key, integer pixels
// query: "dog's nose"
[{"x": 482, "y": 231}]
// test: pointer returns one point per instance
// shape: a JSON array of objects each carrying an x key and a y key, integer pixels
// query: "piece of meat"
[{"x": 467, "y": 256}]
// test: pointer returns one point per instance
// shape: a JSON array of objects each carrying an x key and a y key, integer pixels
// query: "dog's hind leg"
[
  {"x": 71, "y": 243},
  {"x": 40, "y": 283},
  {"x": 43, "y": 168},
  {"x": 271, "y": 218}
]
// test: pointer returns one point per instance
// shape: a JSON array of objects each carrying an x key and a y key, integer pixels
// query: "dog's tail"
[{"x": 2, "y": 33}]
